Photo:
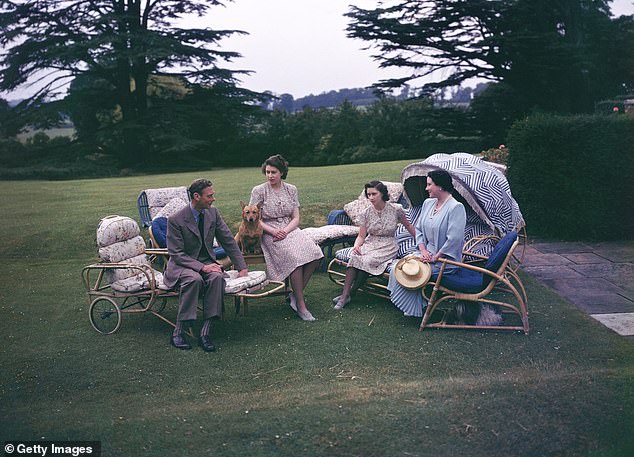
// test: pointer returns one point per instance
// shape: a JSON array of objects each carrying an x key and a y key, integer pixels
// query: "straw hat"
[{"x": 411, "y": 273}]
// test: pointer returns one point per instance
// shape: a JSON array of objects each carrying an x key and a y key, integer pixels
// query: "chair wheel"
[{"x": 105, "y": 315}]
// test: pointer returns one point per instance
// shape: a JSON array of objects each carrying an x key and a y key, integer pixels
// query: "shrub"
[
  {"x": 496, "y": 155},
  {"x": 572, "y": 175}
]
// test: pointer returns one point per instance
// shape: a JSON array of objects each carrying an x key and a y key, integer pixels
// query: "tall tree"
[
  {"x": 121, "y": 42},
  {"x": 561, "y": 54}
]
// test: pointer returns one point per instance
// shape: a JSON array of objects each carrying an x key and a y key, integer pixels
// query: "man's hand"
[
  {"x": 212, "y": 268},
  {"x": 243, "y": 273}
]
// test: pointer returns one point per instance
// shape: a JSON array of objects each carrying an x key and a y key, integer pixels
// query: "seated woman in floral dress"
[
  {"x": 287, "y": 250},
  {"x": 375, "y": 246}
]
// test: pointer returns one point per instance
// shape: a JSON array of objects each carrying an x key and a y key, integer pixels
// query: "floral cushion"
[
  {"x": 356, "y": 207},
  {"x": 158, "y": 198},
  {"x": 123, "y": 250},
  {"x": 330, "y": 232},
  {"x": 174, "y": 205},
  {"x": 119, "y": 241},
  {"x": 138, "y": 282},
  {"x": 117, "y": 274},
  {"x": 113, "y": 229},
  {"x": 234, "y": 283}
]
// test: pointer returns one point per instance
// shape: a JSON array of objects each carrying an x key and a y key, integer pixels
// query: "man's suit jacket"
[{"x": 184, "y": 243}]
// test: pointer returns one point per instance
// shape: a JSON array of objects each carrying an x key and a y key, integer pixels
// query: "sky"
[{"x": 300, "y": 46}]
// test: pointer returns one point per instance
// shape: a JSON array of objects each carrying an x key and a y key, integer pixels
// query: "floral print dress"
[
  {"x": 297, "y": 249},
  {"x": 380, "y": 245}
]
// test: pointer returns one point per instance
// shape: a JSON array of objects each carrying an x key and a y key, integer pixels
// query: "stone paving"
[{"x": 597, "y": 277}]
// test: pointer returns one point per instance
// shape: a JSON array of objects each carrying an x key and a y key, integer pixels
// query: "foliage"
[
  {"x": 572, "y": 176},
  {"x": 362, "y": 382},
  {"x": 561, "y": 56},
  {"x": 118, "y": 46},
  {"x": 387, "y": 130},
  {"x": 496, "y": 155},
  {"x": 8, "y": 126},
  {"x": 496, "y": 108},
  {"x": 41, "y": 157}
]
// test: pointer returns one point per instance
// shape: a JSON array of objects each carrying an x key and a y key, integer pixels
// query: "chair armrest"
[
  {"x": 100, "y": 268},
  {"x": 339, "y": 217},
  {"x": 156, "y": 251},
  {"x": 468, "y": 266}
]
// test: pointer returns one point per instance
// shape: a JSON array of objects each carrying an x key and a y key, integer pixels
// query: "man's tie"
[{"x": 201, "y": 225}]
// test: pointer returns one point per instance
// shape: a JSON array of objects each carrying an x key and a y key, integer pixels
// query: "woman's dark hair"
[
  {"x": 278, "y": 162},
  {"x": 442, "y": 179},
  {"x": 378, "y": 185},
  {"x": 197, "y": 186}
]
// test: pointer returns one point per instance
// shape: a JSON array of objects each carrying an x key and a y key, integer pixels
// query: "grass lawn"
[{"x": 362, "y": 382}]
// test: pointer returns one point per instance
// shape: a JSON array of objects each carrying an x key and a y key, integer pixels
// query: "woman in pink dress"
[{"x": 289, "y": 253}]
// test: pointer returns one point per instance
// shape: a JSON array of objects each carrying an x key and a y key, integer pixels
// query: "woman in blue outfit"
[{"x": 439, "y": 233}]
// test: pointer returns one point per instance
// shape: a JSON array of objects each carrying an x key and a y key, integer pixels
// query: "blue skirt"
[{"x": 411, "y": 301}]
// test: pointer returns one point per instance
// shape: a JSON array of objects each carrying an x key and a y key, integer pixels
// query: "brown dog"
[{"x": 249, "y": 233}]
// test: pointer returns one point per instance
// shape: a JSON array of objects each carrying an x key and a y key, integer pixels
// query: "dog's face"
[{"x": 250, "y": 213}]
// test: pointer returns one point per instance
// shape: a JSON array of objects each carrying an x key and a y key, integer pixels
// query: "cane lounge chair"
[
  {"x": 492, "y": 283},
  {"x": 124, "y": 281}
]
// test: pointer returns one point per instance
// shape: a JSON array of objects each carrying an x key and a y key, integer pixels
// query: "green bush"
[
  {"x": 57, "y": 159},
  {"x": 572, "y": 175}
]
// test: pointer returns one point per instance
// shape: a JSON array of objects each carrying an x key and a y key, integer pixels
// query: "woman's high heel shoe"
[
  {"x": 307, "y": 316},
  {"x": 341, "y": 303},
  {"x": 292, "y": 301}
]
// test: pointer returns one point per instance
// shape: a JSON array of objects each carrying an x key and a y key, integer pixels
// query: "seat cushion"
[
  {"x": 500, "y": 251},
  {"x": 159, "y": 230},
  {"x": 138, "y": 282},
  {"x": 172, "y": 207},
  {"x": 235, "y": 284},
  {"x": 114, "y": 229},
  {"x": 158, "y": 198},
  {"x": 123, "y": 250},
  {"x": 330, "y": 232},
  {"x": 463, "y": 280}
]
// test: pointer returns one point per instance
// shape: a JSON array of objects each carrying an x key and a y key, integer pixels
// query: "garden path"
[{"x": 598, "y": 278}]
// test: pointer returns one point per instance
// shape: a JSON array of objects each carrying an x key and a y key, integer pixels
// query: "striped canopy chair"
[
  {"x": 481, "y": 186},
  {"x": 492, "y": 212}
]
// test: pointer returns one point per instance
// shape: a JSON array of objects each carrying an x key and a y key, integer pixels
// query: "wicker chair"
[
  {"x": 494, "y": 283},
  {"x": 124, "y": 281}
]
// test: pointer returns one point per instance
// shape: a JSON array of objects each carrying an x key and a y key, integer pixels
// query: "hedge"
[{"x": 573, "y": 176}]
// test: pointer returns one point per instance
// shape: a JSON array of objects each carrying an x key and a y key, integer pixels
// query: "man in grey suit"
[{"x": 192, "y": 263}]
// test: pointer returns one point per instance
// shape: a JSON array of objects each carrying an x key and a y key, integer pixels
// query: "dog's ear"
[
  {"x": 260, "y": 205},
  {"x": 242, "y": 204}
]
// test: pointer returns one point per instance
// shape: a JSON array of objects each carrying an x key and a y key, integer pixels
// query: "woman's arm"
[
  {"x": 421, "y": 239},
  {"x": 280, "y": 234},
  {"x": 358, "y": 242},
  {"x": 409, "y": 227}
]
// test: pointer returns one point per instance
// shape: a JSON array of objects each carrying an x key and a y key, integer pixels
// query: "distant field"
[{"x": 52, "y": 133}]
